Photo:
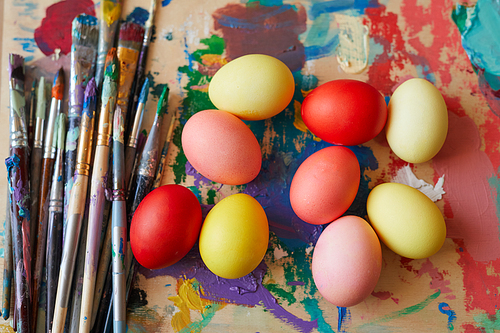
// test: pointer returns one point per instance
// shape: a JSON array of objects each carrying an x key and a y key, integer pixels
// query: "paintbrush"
[
  {"x": 83, "y": 57},
  {"x": 49, "y": 155},
  {"x": 141, "y": 66},
  {"x": 36, "y": 157},
  {"x": 111, "y": 11},
  {"x": 30, "y": 111},
  {"x": 146, "y": 172},
  {"x": 76, "y": 208},
  {"x": 55, "y": 223},
  {"x": 129, "y": 45},
  {"x": 164, "y": 152},
  {"x": 119, "y": 224},
  {"x": 98, "y": 187},
  {"x": 130, "y": 150},
  {"x": 7, "y": 262},
  {"x": 18, "y": 176}
]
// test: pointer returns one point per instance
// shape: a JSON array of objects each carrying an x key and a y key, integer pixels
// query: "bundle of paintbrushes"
[{"x": 60, "y": 169}]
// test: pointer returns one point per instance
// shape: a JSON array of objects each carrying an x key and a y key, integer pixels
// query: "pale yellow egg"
[
  {"x": 417, "y": 122},
  {"x": 406, "y": 220},
  {"x": 234, "y": 236},
  {"x": 252, "y": 87}
]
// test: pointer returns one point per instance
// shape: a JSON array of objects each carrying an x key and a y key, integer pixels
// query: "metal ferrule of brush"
[
  {"x": 17, "y": 135},
  {"x": 84, "y": 151},
  {"x": 105, "y": 128},
  {"x": 50, "y": 149},
  {"x": 132, "y": 141},
  {"x": 56, "y": 200},
  {"x": 149, "y": 158},
  {"x": 38, "y": 138}
]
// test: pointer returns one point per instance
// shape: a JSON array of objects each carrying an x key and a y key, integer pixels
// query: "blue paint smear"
[
  {"x": 481, "y": 40},
  {"x": 444, "y": 308},
  {"x": 28, "y": 44},
  {"x": 165, "y": 2},
  {"x": 332, "y": 6},
  {"x": 323, "y": 50},
  {"x": 139, "y": 15},
  {"x": 256, "y": 22},
  {"x": 344, "y": 318}
]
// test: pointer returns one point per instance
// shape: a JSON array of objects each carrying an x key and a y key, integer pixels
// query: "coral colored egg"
[
  {"x": 221, "y": 147},
  {"x": 234, "y": 236},
  {"x": 252, "y": 87},
  {"x": 345, "y": 112},
  {"x": 165, "y": 226},
  {"x": 406, "y": 220},
  {"x": 325, "y": 185},
  {"x": 347, "y": 261}
]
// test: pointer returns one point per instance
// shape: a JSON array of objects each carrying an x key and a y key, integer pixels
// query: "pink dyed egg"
[
  {"x": 347, "y": 261},
  {"x": 325, "y": 185},
  {"x": 221, "y": 147}
]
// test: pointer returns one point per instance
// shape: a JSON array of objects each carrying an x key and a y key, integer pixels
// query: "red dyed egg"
[
  {"x": 165, "y": 226},
  {"x": 345, "y": 112}
]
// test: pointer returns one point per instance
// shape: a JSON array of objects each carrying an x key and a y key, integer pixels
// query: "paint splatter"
[
  {"x": 55, "y": 30},
  {"x": 344, "y": 318},
  {"x": 444, "y": 308},
  {"x": 139, "y": 15}
]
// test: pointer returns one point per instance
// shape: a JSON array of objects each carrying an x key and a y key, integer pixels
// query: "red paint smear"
[
  {"x": 55, "y": 30},
  {"x": 438, "y": 281},
  {"x": 271, "y": 30},
  {"x": 467, "y": 170},
  {"x": 383, "y": 295},
  {"x": 481, "y": 289}
]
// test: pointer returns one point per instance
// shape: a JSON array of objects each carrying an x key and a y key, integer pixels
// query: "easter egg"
[
  {"x": 234, "y": 236},
  {"x": 325, "y": 185},
  {"x": 417, "y": 123},
  {"x": 406, "y": 220},
  {"x": 221, "y": 147},
  {"x": 165, "y": 226},
  {"x": 345, "y": 112},
  {"x": 347, "y": 261},
  {"x": 253, "y": 87}
]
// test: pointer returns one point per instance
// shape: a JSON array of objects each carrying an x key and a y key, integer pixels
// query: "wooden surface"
[{"x": 456, "y": 289}]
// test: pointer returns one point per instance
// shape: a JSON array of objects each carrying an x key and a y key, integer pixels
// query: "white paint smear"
[
  {"x": 354, "y": 43},
  {"x": 279, "y": 253},
  {"x": 406, "y": 176}
]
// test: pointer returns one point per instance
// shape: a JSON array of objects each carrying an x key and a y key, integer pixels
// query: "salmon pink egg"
[{"x": 221, "y": 147}]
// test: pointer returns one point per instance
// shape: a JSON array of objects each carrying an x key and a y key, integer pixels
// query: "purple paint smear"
[{"x": 247, "y": 290}]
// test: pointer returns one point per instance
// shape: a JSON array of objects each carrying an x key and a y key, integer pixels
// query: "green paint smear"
[
  {"x": 312, "y": 308},
  {"x": 281, "y": 293},
  {"x": 487, "y": 322},
  {"x": 179, "y": 166},
  {"x": 404, "y": 312},
  {"x": 215, "y": 45},
  {"x": 197, "y": 326},
  {"x": 211, "y": 194}
]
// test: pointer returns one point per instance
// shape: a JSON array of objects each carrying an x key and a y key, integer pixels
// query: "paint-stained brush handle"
[{"x": 7, "y": 268}]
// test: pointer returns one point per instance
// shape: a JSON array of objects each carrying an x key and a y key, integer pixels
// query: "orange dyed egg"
[
  {"x": 347, "y": 261},
  {"x": 221, "y": 147},
  {"x": 325, "y": 185}
]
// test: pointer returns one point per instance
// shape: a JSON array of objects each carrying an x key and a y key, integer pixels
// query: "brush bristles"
[
  {"x": 163, "y": 102},
  {"x": 131, "y": 32},
  {"x": 85, "y": 30},
  {"x": 16, "y": 66},
  {"x": 111, "y": 67}
]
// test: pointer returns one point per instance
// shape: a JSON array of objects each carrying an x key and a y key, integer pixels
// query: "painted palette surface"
[{"x": 382, "y": 42}]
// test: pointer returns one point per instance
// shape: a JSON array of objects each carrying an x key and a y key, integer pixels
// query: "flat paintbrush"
[
  {"x": 97, "y": 191},
  {"x": 111, "y": 11},
  {"x": 129, "y": 45},
  {"x": 18, "y": 176},
  {"x": 55, "y": 223},
  {"x": 83, "y": 57},
  {"x": 49, "y": 155},
  {"x": 146, "y": 172},
  {"x": 76, "y": 208},
  {"x": 36, "y": 157},
  {"x": 141, "y": 67},
  {"x": 131, "y": 148}
]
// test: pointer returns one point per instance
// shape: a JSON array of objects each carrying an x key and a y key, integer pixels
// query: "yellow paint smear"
[
  {"x": 187, "y": 298},
  {"x": 111, "y": 11},
  {"x": 299, "y": 123},
  {"x": 354, "y": 44},
  {"x": 212, "y": 59},
  {"x": 5, "y": 328}
]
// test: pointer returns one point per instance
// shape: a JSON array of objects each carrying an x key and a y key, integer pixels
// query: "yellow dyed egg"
[
  {"x": 417, "y": 121},
  {"x": 406, "y": 220},
  {"x": 234, "y": 236},
  {"x": 252, "y": 87}
]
